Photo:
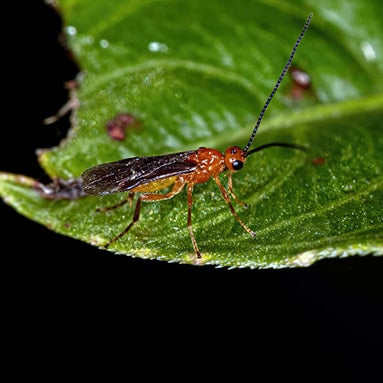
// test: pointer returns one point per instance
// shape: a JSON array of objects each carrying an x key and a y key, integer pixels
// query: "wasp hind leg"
[
  {"x": 177, "y": 187},
  {"x": 136, "y": 216},
  {"x": 122, "y": 203}
]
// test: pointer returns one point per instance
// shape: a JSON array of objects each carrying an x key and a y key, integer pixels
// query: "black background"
[{"x": 331, "y": 311}]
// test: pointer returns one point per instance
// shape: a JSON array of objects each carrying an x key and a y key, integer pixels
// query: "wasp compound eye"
[{"x": 237, "y": 165}]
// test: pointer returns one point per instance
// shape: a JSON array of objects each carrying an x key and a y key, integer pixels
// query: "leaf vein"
[{"x": 321, "y": 210}]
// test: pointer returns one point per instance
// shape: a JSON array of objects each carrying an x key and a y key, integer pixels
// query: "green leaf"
[{"x": 196, "y": 73}]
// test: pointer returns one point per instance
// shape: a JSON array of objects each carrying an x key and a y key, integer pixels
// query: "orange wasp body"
[{"x": 147, "y": 175}]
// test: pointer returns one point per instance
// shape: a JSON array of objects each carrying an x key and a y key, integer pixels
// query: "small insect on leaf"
[{"x": 148, "y": 175}]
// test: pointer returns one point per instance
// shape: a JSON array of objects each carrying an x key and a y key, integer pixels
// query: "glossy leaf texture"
[{"x": 196, "y": 73}]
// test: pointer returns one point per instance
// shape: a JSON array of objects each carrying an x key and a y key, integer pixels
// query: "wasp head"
[{"x": 234, "y": 158}]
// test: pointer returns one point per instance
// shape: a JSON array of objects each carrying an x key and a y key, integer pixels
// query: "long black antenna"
[
  {"x": 281, "y": 144},
  {"x": 276, "y": 86}
]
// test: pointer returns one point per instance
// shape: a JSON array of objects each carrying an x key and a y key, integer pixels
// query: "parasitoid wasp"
[{"x": 147, "y": 175}]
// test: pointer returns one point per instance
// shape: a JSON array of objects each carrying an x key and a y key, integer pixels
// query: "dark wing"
[{"x": 131, "y": 172}]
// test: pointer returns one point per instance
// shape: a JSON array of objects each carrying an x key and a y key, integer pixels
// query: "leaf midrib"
[{"x": 310, "y": 115}]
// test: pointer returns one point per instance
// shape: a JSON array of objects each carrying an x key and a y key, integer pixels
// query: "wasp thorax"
[{"x": 234, "y": 158}]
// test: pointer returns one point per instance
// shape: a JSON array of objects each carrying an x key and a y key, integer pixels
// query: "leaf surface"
[{"x": 197, "y": 74}]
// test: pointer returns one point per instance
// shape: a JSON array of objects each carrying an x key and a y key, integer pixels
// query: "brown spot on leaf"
[
  {"x": 116, "y": 128},
  {"x": 301, "y": 83},
  {"x": 318, "y": 161}
]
